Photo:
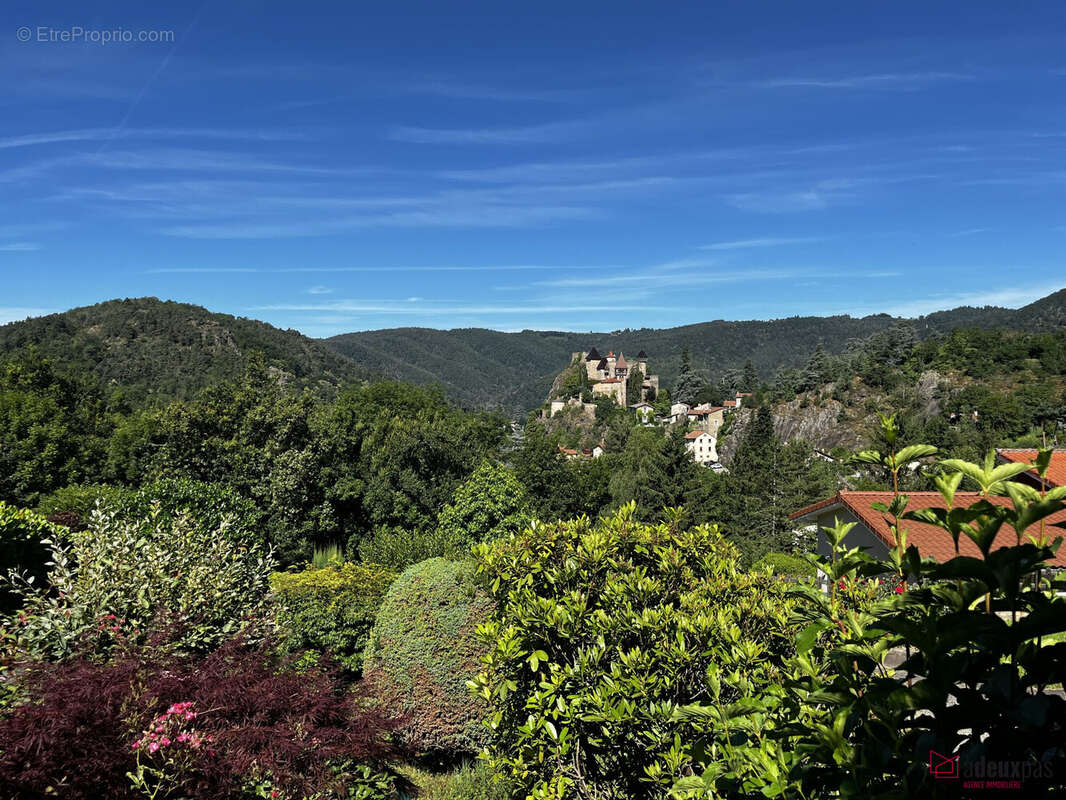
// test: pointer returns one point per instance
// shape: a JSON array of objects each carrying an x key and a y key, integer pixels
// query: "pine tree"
[
  {"x": 749, "y": 381},
  {"x": 689, "y": 383},
  {"x": 633, "y": 386},
  {"x": 817, "y": 370}
]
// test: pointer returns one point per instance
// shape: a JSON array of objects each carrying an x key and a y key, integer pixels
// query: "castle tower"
[
  {"x": 611, "y": 361},
  {"x": 592, "y": 359},
  {"x": 642, "y": 363}
]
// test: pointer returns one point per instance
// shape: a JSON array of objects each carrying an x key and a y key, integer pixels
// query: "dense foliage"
[
  {"x": 330, "y": 610},
  {"x": 601, "y": 630},
  {"x": 491, "y": 503},
  {"x": 235, "y": 724},
  {"x": 208, "y": 505},
  {"x": 977, "y": 649},
  {"x": 23, "y": 537},
  {"x": 148, "y": 351},
  {"x": 120, "y": 579},
  {"x": 422, "y": 651},
  {"x": 299, "y": 470}
]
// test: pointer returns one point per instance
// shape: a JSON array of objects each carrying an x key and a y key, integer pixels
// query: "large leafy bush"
[
  {"x": 237, "y": 723},
  {"x": 209, "y": 505},
  {"x": 330, "y": 609},
  {"x": 963, "y": 658},
  {"x": 424, "y": 649},
  {"x": 121, "y": 578},
  {"x": 602, "y": 630}
]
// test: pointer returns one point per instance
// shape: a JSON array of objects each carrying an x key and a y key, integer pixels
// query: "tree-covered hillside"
[
  {"x": 153, "y": 350},
  {"x": 514, "y": 371}
]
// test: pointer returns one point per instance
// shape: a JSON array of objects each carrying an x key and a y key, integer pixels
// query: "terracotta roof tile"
[
  {"x": 1056, "y": 473},
  {"x": 696, "y": 434},
  {"x": 932, "y": 542}
]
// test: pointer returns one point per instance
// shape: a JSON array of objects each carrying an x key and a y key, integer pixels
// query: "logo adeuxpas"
[{"x": 943, "y": 767}]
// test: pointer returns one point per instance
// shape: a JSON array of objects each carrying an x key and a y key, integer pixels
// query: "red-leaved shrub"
[{"x": 255, "y": 717}]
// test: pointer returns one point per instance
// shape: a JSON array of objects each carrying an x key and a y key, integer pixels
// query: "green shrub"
[
  {"x": 424, "y": 649},
  {"x": 397, "y": 548},
  {"x": 327, "y": 556},
  {"x": 979, "y": 680},
  {"x": 208, "y": 505},
  {"x": 22, "y": 547},
  {"x": 124, "y": 579},
  {"x": 602, "y": 630},
  {"x": 81, "y": 499},
  {"x": 330, "y": 609},
  {"x": 467, "y": 782},
  {"x": 786, "y": 564},
  {"x": 490, "y": 504}
]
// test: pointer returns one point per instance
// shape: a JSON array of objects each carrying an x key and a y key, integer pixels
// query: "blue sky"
[{"x": 336, "y": 167}]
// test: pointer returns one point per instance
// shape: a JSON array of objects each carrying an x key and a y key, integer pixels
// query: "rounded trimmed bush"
[{"x": 424, "y": 649}]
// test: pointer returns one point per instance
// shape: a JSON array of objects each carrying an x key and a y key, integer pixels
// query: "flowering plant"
[{"x": 166, "y": 751}]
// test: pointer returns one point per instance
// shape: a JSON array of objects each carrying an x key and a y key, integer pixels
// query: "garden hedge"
[{"x": 330, "y": 609}]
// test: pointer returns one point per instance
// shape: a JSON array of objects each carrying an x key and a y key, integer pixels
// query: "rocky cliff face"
[
  {"x": 828, "y": 423},
  {"x": 821, "y": 425}
]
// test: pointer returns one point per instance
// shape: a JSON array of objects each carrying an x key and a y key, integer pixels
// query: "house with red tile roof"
[
  {"x": 1056, "y": 473},
  {"x": 702, "y": 446},
  {"x": 872, "y": 530}
]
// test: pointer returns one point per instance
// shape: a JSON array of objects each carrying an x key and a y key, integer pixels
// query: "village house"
[
  {"x": 872, "y": 532},
  {"x": 572, "y": 454},
  {"x": 644, "y": 411},
  {"x": 702, "y": 446},
  {"x": 1056, "y": 472}
]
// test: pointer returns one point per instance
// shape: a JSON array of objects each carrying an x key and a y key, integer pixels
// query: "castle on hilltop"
[{"x": 608, "y": 375}]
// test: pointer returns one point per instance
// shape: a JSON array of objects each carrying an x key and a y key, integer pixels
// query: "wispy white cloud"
[
  {"x": 19, "y": 247},
  {"x": 105, "y": 134},
  {"x": 401, "y": 268},
  {"x": 547, "y": 132},
  {"x": 884, "y": 80},
  {"x": 473, "y": 91},
  {"x": 770, "y": 241},
  {"x": 968, "y": 232},
  {"x": 783, "y": 202},
  {"x": 435, "y": 309},
  {"x": 474, "y": 216},
  {"x": 320, "y": 290}
]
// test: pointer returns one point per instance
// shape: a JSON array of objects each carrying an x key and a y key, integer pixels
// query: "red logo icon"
[{"x": 943, "y": 767}]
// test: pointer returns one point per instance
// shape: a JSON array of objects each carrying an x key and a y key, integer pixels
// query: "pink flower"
[
  {"x": 165, "y": 741},
  {"x": 900, "y": 589},
  {"x": 153, "y": 747}
]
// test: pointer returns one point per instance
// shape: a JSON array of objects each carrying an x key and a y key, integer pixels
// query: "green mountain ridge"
[
  {"x": 513, "y": 372},
  {"x": 155, "y": 350}
]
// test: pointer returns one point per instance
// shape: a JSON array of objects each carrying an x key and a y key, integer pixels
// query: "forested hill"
[
  {"x": 514, "y": 371},
  {"x": 150, "y": 349}
]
